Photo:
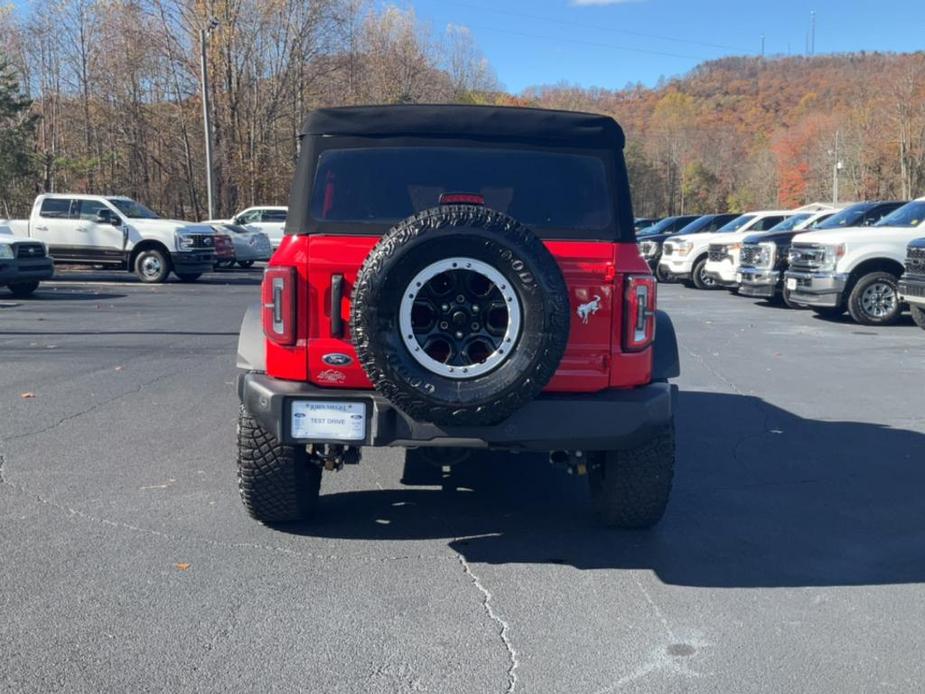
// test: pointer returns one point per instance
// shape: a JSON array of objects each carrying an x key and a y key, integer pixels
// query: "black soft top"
[{"x": 567, "y": 128}]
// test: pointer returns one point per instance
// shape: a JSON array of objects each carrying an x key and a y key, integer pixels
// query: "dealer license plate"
[
  {"x": 791, "y": 283},
  {"x": 328, "y": 420}
]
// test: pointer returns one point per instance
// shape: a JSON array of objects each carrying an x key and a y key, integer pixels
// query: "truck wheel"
[
  {"x": 189, "y": 276},
  {"x": 918, "y": 315},
  {"x": 630, "y": 489},
  {"x": 661, "y": 274},
  {"x": 785, "y": 296},
  {"x": 874, "y": 300},
  {"x": 152, "y": 266},
  {"x": 278, "y": 483},
  {"x": 699, "y": 275},
  {"x": 460, "y": 315},
  {"x": 21, "y": 290}
]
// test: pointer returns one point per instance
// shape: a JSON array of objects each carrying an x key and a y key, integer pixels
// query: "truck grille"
[
  {"x": 717, "y": 252},
  {"x": 203, "y": 240},
  {"x": 806, "y": 258},
  {"x": 750, "y": 255},
  {"x": 30, "y": 250},
  {"x": 915, "y": 261}
]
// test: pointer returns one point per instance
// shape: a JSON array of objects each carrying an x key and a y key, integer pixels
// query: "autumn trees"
[
  {"x": 115, "y": 90},
  {"x": 742, "y": 133},
  {"x": 116, "y": 108}
]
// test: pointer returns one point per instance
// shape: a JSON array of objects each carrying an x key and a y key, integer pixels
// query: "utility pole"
[
  {"x": 836, "y": 167},
  {"x": 206, "y": 115},
  {"x": 812, "y": 32},
  {"x": 762, "y": 45}
]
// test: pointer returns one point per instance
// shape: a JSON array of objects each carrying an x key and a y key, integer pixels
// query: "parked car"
[
  {"x": 118, "y": 232},
  {"x": 249, "y": 246},
  {"x": 764, "y": 257},
  {"x": 684, "y": 257},
  {"x": 641, "y": 223},
  {"x": 270, "y": 220},
  {"x": 912, "y": 283},
  {"x": 24, "y": 263},
  {"x": 650, "y": 242},
  {"x": 482, "y": 290},
  {"x": 855, "y": 269},
  {"x": 224, "y": 249}
]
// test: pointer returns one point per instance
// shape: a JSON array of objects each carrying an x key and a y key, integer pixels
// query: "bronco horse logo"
[{"x": 585, "y": 311}]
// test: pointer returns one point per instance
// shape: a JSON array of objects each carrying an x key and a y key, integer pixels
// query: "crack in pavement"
[{"x": 503, "y": 626}]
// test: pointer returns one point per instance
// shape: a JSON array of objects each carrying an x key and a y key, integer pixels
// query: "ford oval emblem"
[{"x": 336, "y": 359}]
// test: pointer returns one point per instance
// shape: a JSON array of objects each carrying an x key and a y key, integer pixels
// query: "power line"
[{"x": 541, "y": 18}]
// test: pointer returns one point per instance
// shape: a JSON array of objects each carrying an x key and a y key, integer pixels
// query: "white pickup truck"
[
  {"x": 856, "y": 268},
  {"x": 118, "y": 232}
]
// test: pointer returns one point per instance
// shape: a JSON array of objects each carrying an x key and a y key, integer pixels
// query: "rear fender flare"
[
  {"x": 666, "y": 362},
  {"x": 252, "y": 353}
]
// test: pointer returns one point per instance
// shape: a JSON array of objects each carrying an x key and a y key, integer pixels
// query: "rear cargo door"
[{"x": 333, "y": 264}]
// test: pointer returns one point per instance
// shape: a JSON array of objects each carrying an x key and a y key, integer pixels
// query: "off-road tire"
[
  {"x": 22, "y": 290},
  {"x": 278, "y": 483},
  {"x": 152, "y": 277},
  {"x": 699, "y": 280},
  {"x": 630, "y": 489},
  {"x": 532, "y": 273},
  {"x": 855, "y": 299},
  {"x": 189, "y": 276},
  {"x": 918, "y": 316}
]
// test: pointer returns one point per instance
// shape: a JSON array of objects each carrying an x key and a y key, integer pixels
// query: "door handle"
[
  {"x": 42, "y": 228},
  {"x": 337, "y": 295},
  {"x": 81, "y": 229}
]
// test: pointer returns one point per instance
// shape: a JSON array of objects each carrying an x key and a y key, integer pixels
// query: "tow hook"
[
  {"x": 333, "y": 457},
  {"x": 574, "y": 461}
]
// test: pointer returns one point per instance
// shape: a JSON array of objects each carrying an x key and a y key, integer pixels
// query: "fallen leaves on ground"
[
  {"x": 26, "y": 396},
  {"x": 182, "y": 566}
]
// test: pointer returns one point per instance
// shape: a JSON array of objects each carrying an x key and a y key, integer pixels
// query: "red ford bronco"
[{"x": 454, "y": 279}]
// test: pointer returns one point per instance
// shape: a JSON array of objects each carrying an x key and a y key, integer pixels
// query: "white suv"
[
  {"x": 685, "y": 257},
  {"x": 855, "y": 269}
]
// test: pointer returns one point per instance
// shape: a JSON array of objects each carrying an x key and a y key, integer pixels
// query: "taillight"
[
  {"x": 638, "y": 312},
  {"x": 278, "y": 301}
]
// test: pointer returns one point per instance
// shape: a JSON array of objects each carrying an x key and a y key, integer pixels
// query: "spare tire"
[{"x": 460, "y": 315}]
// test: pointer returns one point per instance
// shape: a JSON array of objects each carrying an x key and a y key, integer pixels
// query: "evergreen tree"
[{"x": 17, "y": 129}]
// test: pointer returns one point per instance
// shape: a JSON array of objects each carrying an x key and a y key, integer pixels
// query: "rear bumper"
[
  {"x": 759, "y": 283},
  {"x": 608, "y": 420},
  {"x": 816, "y": 288},
  {"x": 16, "y": 270},
  {"x": 912, "y": 290}
]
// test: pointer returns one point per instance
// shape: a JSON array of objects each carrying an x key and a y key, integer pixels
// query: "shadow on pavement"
[
  {"x": 52, "y": 295},
  {"x": 763, "y": 498}
]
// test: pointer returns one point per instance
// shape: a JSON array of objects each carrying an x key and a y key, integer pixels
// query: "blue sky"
[{"x": 609, "y": 43}]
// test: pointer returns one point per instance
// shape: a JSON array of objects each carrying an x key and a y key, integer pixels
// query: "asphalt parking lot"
[{"x": 791, "y": 559}]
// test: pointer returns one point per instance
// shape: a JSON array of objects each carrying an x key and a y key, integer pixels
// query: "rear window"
[
  {"x": 55, "y": 208},
  {"x": 540, "y": 189}
]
